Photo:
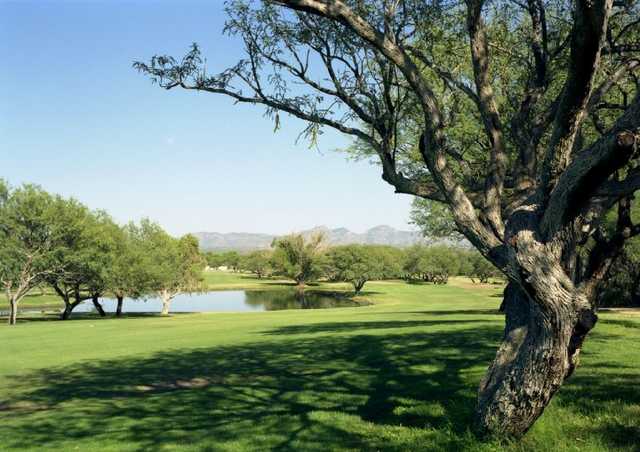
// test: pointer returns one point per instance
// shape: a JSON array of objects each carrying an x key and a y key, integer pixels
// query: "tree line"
[
  {"x": 81, "y": 254},
  {"x": 306, "y": 260}
]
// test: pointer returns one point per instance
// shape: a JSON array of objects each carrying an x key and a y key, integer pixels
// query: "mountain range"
[{"x": 243, "y": 241}]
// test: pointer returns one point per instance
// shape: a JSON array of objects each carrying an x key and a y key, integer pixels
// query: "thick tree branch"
[
  {"x": 591, "y": 168},
  {"x": 433, "y": 140},
  {"x": 624, "y": 69},
  {"x": 587, "y": 37},
  {"x": 526, "y": 130},
  {"x": 490, "y": 116}
]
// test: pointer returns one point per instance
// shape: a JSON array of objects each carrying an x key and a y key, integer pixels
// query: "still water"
[{"x": 230, "y": 301}]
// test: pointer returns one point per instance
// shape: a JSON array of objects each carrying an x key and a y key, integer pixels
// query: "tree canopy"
[
  {"x": 174, "y": 265},
  {"x": 28, "y": 241},
  {"x": 298, "y": 258},
  {"x": 356, "y": 264}
]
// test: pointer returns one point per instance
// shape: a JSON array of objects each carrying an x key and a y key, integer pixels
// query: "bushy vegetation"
[
  {"x": 48, "y": 241},
  {"x": 298, "y": 258},
  {"x": 355, "y": 264},
  {"x": 306, "y": 260},
  {"x": 80, "y": 254},
  {"x": 622, "y": 288}
]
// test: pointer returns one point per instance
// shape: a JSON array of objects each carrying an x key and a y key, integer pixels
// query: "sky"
[{"x": 76, "y": 119}]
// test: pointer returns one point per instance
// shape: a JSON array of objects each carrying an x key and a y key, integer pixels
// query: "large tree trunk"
[
  {"x": 119, "y": 308},
  {"x": 98, "y": 306},
  {"x": 539, "y": 351},
  {"x": 13, "y": 311}
]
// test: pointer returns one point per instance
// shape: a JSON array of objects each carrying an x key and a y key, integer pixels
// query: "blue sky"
[{"x": 78, "y": 120}]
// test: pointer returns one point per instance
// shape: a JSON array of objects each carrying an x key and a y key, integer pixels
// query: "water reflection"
[
  {"x": 275, "y": 300},
  {"x": 232, "y": 301}
]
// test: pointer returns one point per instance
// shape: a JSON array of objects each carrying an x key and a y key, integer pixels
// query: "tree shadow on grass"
[
  {"x": 307, "y": 394},
  {"x": 354, "y": 391},
  {"x": 48, "y": 316},
  {"x": 626, "y": 323},
  {"x": 346, "y": 327},
  {"x": 450, "y": 312},
  {"x": 607, "y": 388}
]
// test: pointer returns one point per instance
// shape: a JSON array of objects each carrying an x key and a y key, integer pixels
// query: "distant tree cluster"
[
  {"x": 437, "y": 263},
  {"x": 305, "y": 260},
  {"x": 621, "y": 287},
  {"x": 228, "y": 259},
  {"x": 48, "y": 240}
]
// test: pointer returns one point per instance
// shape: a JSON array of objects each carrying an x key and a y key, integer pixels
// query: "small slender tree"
[
  {"x": 355, "y": 264},
  {"x": 174, "y": 265},
  {"x": 103, "y": 236},
  {"x": 128, "y": 275},
  {"x": 27, "y": 241},
  {"x": 258, "y": 262},
  {"x": 82, "y": 262},
  {"x": 298, "y": 258}
]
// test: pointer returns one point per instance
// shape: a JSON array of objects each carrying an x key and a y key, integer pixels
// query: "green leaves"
[
  {"x": 298, "y": 258},
  {"x": 170, "y": 264},
  {"x": 356, "y": 264},
  {"x": 434, "y": 219}
]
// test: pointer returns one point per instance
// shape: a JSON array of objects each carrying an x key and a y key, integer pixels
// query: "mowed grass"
[{"x": 399, "y": 375}]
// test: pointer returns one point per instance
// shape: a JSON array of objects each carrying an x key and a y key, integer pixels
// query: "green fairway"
[{"x": 398, "y": 375}]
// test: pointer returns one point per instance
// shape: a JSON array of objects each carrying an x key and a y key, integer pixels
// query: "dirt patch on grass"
[{"x": 194, "y": 383}]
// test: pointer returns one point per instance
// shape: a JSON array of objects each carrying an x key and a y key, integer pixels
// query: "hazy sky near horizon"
[{"x": 78, "y": 120}]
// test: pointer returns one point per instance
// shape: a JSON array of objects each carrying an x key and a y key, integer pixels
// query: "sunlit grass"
[{"x": 399, "y": 375}]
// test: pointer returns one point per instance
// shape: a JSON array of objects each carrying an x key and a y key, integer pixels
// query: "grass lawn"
[{"x": 399, "y": 375}]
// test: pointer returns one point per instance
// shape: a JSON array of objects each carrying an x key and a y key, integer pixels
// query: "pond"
[{"x": 232, "y": 301}]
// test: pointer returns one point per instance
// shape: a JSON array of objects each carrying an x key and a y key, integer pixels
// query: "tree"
[
  {"x": 231, "y": 259},
  {"x": 622, "y": 284},
  {"x": 298, "y": 258},
  {"x": 480, "y": 268},
  {"x": 83, "y": 261},
  {"x": 174, "y": 265},
  {"x": 26, "y": 241},
  {"x": 431, "y": 263},
  {"x": 522, "y": 117},
  {"x": 433, "y": 219},
  {"x": 129, "y": 273},
  {"x": 391, "y": 259},
  {"x": 622, "y": 287},
  {"x": 258, "y": 262},
  {"x": 104, "y": 239},
  {"x": 214, "y": 260},
  {"x": 355, "y": 264}
]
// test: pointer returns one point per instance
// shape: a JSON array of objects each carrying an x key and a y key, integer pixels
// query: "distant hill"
[{"x": 241, "y": 241}]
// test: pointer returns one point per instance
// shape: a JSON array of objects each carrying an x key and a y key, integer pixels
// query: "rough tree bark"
[{"x": 539, "y": 351}]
